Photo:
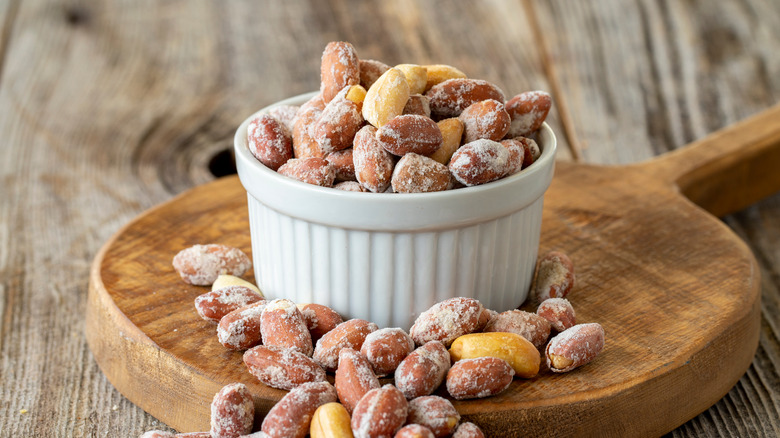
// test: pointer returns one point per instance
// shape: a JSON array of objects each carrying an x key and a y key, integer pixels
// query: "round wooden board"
[{"x": 676, "y": 291}]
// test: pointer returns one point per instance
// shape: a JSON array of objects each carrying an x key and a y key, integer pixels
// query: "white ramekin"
[{"x": 388, "y": 257}]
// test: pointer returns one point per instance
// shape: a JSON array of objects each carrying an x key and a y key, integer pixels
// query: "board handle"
[{"x": 729, "y": 169}]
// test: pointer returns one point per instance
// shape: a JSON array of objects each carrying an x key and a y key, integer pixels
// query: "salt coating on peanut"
[
  {"x": 575, "y": 347},
  {"x": 434, "y": 412},
  {"x": 232, "y": 411},
  {"x": 202, "y": 264},
  {"x": 447, "y": 320}
]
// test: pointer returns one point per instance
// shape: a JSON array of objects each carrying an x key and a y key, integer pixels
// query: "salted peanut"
[
  {"x": 386, "y": 98},
  {"x": 285, "y": 114},
  {"x": 232, "y": 411},
  {"x": 526, "y": 324},
  {"x": 479, "y": 162},
  {"x": 423, "y": 370},
  {"x": 386, "y": 348},
  {"x": 349, "y": 334},
  {"x": 531, "y": 149},
  {"x": 380, "y": 413},
  {"x": 193, "y": 435},
  {"x": 331, "y": 420},
  {"x": 214, "y": 305},
  {"x": 419, "y": 174},
  {"x": 435, "y": 413},
  {"x": 468, "y": 430},
  {"x": 373, "y": 164},
  {"x": 282, "y": 325},
  {"x": 354, "y": 378},
  {"x": 414, "y": 431},
  {"x": 519, "y": 352},
  {"x": 269, "y": 141},
  {"x": 451, "y": 97},
  {"x": 282, "y": 368},
  {"x": 554, "y": 276},
  {"x": 319, "y": 319},
  {"x": 291, "y": 416},
  {"x": 224, "y": 280},
  {"x": 370, "y": 71},
  {"x": 574, "y": 347},
  {"x": 479, "y": 378},
  {"x": 559, "y": 312},
  {"x": 416, "y": 77},
  {"x": 418, "y": 104},
  {"x": 337, "y": 125},
  {"x": 451, "y": 133},
  {"x": 528, "y": 111},
  {"x": 357, "y": 94},
  {"x": 447, "y": 320},
  {"x": 340, "y": 67},
  {"x": 312, "y": 170},
  {"x": 202, "y": 264},
  {"x": 484, "y": 318},
  {"x": 410, "y": 133},
  {"x": 240, "y": 329},
  {"x": 343, "y": 164},
  {"x": 439, "y": 73},
  {"x": 304, "y": 144},
  {"x": 350, "y": 186},
  {"x": 485, "y": 119},
  {"x": 516, "y": 155}
]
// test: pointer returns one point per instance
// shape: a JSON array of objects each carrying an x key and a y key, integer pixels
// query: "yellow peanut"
[
  {"x": 520, "y": 353},
  {"x": 225, "y": 280},
  {"x": 416, "y": 77},
  {"x": 331, "y": 420},
  {"x": 356, "y": 94},
  {"x": 451, "y": 132},
  {"x": 439, "y": 73},
  {"x": 386, "y": 98}
]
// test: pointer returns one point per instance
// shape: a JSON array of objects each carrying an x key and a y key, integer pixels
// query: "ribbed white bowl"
[{"x": 387, "y": 257}]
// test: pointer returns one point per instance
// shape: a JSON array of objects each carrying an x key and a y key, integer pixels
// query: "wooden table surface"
[{"x": 108, "y": 108}]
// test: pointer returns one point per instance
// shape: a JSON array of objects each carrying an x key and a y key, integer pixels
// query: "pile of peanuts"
[
  {"x": 471, "y": 351},
  {"x": 403, "y": 129}
]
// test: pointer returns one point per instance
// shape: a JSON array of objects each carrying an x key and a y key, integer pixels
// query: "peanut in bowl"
[{"x": 388, "y": 257}]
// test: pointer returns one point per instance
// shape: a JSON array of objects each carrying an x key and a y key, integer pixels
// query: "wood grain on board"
[{"x": 108, "y": 108}]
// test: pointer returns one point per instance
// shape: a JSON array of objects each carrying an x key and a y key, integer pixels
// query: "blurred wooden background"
[{"x": 108, "y": 108}]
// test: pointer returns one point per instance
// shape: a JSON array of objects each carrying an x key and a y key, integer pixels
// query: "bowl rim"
[{"x": 265, "y": 185}]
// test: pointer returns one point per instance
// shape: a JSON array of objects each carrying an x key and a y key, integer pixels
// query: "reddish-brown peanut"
[
  {"x": 312, "y": 170},
  {"x": 574, "y": 347},
  {"x": 282, "y": 368},
  {"x": 527, "y": 111},
  {"x": 451, "y": 97},
  {"x": 340, "y": 67},
  {"x": 485, "y": 119},
  {"x": 419, "y": 174},
  {"x": 202, "y": 264},
  {"x": 554, "y": 276},
  {"x": 214, "y": 305},
  {"x": 232, "y": 411}
]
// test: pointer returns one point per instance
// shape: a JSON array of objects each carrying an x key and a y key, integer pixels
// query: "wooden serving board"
[{"x": 676, "y": 291}]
